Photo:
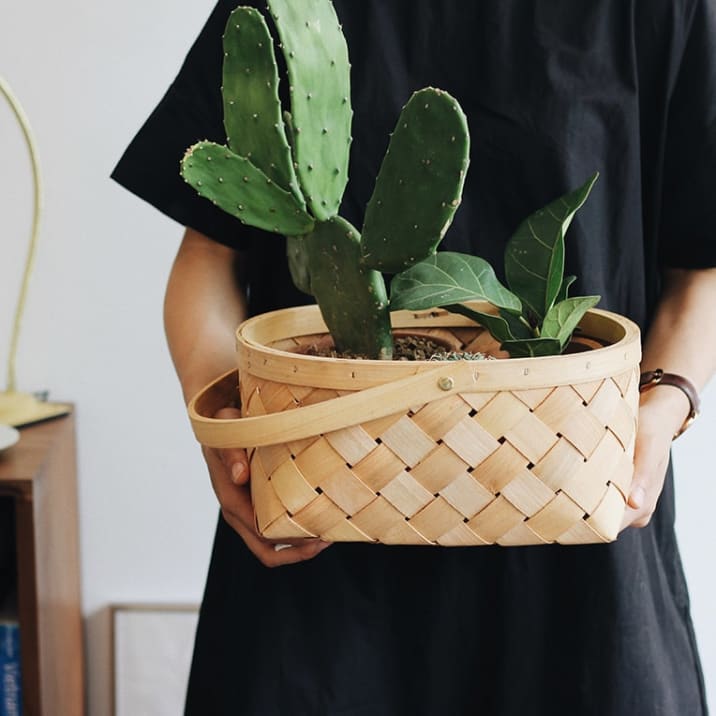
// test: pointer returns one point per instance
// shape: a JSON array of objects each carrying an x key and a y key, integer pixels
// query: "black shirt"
[{"x": 553, "y": 90}]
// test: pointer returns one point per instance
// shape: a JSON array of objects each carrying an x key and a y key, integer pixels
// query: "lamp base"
[{"x": 19, "y": 409}]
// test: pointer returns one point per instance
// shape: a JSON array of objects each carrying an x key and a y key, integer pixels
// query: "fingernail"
[
  {"x": 237, "y": 471},
  {"x": 322, "y": 545},
  {"x": 637, "y": 496}
]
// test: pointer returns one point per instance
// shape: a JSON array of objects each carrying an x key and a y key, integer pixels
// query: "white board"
[{"x": 152, "y": 648}]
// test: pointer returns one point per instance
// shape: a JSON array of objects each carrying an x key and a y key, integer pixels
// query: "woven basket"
[{"x": 454, "y": 453}]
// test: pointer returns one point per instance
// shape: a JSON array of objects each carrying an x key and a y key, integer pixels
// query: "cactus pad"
[
  {"x": 419, "y": 186},
  {"x": 298, "y": 257},
  {"x": 319, "y": 75},
  {"x": 235, "y": 185},
  {"x": 252, "y": 109},
  {"x": 352, "y": 299}
]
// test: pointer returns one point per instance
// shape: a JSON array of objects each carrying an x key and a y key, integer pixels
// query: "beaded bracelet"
[{"x": 656, "y": 377}]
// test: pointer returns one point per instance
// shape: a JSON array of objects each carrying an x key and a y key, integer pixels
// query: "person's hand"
[
  {"x": 229, "y": 472},
  {"x": 661, "y": 414}
]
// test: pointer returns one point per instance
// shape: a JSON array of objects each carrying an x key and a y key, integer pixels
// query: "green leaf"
[
  {"x": 532, "y": 347},
  {"x": 496, "y": 325},
  {"x": 534, "y": 257},
  {"x": 447, "y": 278},
  {"x": 518, "y": 325},
  {"x": 563, "y": 317},
  {"x": 564, "y": 288}
]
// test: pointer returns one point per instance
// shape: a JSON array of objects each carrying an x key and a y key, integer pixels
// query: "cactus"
[{"x": 286, "y": 172}]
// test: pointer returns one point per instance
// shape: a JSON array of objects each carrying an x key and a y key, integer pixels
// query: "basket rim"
[{"x": 258, "y": 357}]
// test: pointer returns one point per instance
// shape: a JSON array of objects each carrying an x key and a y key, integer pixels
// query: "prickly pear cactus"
[{"x": 286, "y": 172}]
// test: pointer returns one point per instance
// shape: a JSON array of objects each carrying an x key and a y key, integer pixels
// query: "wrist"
[{"x": 676, "y": 401}]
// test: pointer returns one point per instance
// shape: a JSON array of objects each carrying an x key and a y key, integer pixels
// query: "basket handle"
[{"x": 344, "y": 411}]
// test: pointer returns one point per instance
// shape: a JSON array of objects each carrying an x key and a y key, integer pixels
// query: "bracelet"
[{"x": 656, "y": 377}]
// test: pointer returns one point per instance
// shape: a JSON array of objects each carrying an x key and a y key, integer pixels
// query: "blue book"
[{"x": 10, "y": 678}]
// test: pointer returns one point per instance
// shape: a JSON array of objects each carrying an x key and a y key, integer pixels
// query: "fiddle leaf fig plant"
[
  {"x": 285, "y": 171},
  {"x": 534, "y": 315}
]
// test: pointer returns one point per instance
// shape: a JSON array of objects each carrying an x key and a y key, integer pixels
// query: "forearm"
[
  {"x": 202, "y": 308},
  {"x": 682, "y": 338}
]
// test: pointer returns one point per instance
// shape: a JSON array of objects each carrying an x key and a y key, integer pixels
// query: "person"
[{"x": 553, "y": 90}]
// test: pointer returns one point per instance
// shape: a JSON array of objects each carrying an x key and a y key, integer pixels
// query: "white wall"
[
  {"x": 695, "y": 497},
  {"x": 88, "y": 73}
]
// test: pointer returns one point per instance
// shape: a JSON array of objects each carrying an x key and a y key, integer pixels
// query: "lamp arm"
[{"x": 37, "y": 206}]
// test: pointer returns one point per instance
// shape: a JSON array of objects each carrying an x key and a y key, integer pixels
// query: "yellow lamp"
[{"x": 17, "y": 408}]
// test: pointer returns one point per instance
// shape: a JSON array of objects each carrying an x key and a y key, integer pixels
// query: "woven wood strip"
[
  {"x": 607, "y": 518},
  {"x": 320, "y": 515},
  {"x": 519, "y": 535},
  {"x": 352, "y": 444},
  {"x": 581, "y": 533},
  {"x": 285, "y": 528},
  {"x": 406, "y": 495},
  {"x": 500, "y": 467},
  {"x": 378, "y": 468},
  {"x": 439, "y": 469},
  {"x": 437, "y": 418},
  {"x": 407, "y": 441},
  {"x": 347, "y": 491},
  {"x": 527, "y": 493},
  {"x": 496, "y": 520},
  {"x": 436, "y": 518},
  {"x": 460, "y": 536},
  {"x": 467, "y": 495}
]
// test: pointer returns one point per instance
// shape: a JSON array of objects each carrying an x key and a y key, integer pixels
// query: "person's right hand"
[{"x": 229, "y": 472}]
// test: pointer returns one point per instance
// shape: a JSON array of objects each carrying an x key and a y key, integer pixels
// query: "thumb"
[{"x": 235, "y": 459}]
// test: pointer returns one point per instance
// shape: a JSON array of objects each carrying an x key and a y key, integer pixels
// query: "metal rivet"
[{"x": 446, "y": 383}]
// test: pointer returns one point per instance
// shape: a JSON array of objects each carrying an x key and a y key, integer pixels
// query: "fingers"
[
  {"x": 651, "y": 459},
  {"x": 290, "y": 552},
  {"x": 236, "y": 462},
  {"x": 235, "y": 459},
  {"x": 229, "y": 472}
]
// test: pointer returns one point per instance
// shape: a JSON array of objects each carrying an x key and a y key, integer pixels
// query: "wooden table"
[{"x": 39, "y": 475}]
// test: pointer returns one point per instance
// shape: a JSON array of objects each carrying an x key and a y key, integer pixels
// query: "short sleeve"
[
  {"x": 688, "y": 214},
  {"x": 190, "y": 111}
]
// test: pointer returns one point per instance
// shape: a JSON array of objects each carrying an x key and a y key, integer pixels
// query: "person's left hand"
[{"x": 661, "y": 414}]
